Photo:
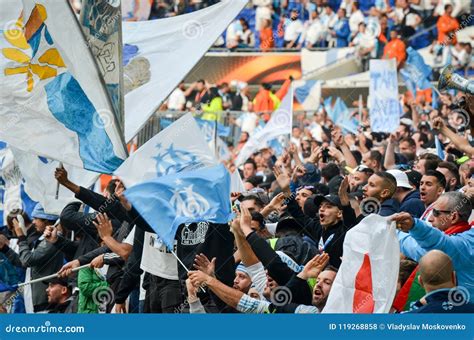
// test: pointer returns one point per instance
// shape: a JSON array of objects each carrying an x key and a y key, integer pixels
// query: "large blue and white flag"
[
  {"x": 185, "y": 197},
  {"x": 308, "y": 93},
  {"x": 280, "y": 123},
  {"x": 53, "y": 102},
  {"x": 416, "y": 72},
  {"x": 179, "y": 147},
  {"x": 40, "y": 183},
  {"x": 12, "y": 187},
  {"x": 158, "y": 54},
  {"x": 383, "y": 94}
]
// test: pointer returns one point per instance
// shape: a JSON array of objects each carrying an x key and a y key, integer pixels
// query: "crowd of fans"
[
  {"x": 298, "y": 204},
  {"x": 289, "y": 231}
]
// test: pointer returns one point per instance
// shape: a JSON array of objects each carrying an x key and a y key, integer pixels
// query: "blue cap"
[{"x": 38, "y": 212}]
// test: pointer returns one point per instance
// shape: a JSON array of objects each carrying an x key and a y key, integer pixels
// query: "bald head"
[{"x": 436, "y": 271}]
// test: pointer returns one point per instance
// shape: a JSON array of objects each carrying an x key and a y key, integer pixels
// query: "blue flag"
[
  {"x": 186, "y": 197},
  {"x": 342, "y": 117},
  {"x": 439, "y": 148},
  {"x": 416, "y": 72},
  {"x": 208, "y": 127},
  {"x": 327, "y": 105}
]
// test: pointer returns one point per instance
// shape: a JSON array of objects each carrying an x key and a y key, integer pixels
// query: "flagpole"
[
  {"x": 185, "y": 268},
  {"x": 48, "y": 277},
  {"x": 57, "y": 184},
  {"x": 215, "y": 139}
]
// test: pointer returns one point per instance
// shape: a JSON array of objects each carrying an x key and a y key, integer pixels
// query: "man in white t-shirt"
[
  {"x": 163, "y": 292},
  {"x": 293, "y": 29},
  {"x": 177, "y": 100}
]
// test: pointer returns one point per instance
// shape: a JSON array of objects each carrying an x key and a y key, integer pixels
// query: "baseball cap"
[
  {"x": 57, "y": 280},
  {"x": 287, "y": 223},
  {"x": 38, "y": 212},
  {"x": 332, "y": 199},
  {"x": 401, "y": 177},
  {"x": 414, "y": 177}
]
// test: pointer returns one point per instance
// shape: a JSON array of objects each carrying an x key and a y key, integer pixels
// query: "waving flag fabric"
[
  {"x": 157, "y": 55},
  {"x": 185, "y": 197},
  {"x": 367, "y": 279},
  {"x": 416, "y": 72},
  {"x": 280, "y": 123},
  {"x": 40, "y": 183},
  {"x": 179, "y": 147},
  {"x": 341, "y": 116},
  {"x": 53, "y": 102},
  {"x": 12, "y": 186},
  {"x": 308, "y": 93}
]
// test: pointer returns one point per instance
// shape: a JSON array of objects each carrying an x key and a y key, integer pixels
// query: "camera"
[{"x": 325, "y": 155}]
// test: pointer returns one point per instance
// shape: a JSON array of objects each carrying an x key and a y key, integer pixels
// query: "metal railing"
[{"x": 154, "y": 124}]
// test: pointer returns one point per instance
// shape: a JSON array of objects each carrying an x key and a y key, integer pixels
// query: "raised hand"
[
  {"x": 336, "y": 154},
  {"x": 337, "y": 138},
  {"x": 282, "y": 178},
  {"x": 343, "y": 194},
  {"x": 202, "y": 263},
  {"x": 51, "y": 234},
  {"x": 61, "y": 176},
  {"x": 314, "y": 266},
  {"x": 103, "y": 225}
]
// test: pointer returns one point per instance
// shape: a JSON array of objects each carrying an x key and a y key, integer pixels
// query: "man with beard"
[
  {"x": 246, "y": 304},
  {"x": 432, "y": 185},
  {"x": 359, "y": 177},
  {"x": 381, "y": 186}
]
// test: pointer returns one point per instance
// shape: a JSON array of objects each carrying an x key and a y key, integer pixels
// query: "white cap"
[{"x": 401, "y": 177}]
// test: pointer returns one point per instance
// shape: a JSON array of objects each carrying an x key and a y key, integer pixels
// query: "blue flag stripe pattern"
[{"x": 185, "y": 197}]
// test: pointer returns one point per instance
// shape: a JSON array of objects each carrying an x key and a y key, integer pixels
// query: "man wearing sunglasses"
[{"x": 449, "y": 232}]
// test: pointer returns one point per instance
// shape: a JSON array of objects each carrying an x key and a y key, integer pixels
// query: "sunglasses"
[{"x": 437, "y": 213}]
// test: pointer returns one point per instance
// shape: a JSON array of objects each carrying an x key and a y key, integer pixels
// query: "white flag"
[
  {"x": 236, "y": 184},
  {"x": 40, "y": 184},
  {"x": 53, "y": 102},
  {"x": 158, "y": 54},
  {"x": 179, "y": 147},
  {"x": 279, "y": 124},
  {"x": 367, "y": 279}
]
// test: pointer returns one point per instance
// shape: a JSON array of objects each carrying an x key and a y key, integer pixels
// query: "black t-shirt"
[{"x": 213, "y": 240}]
